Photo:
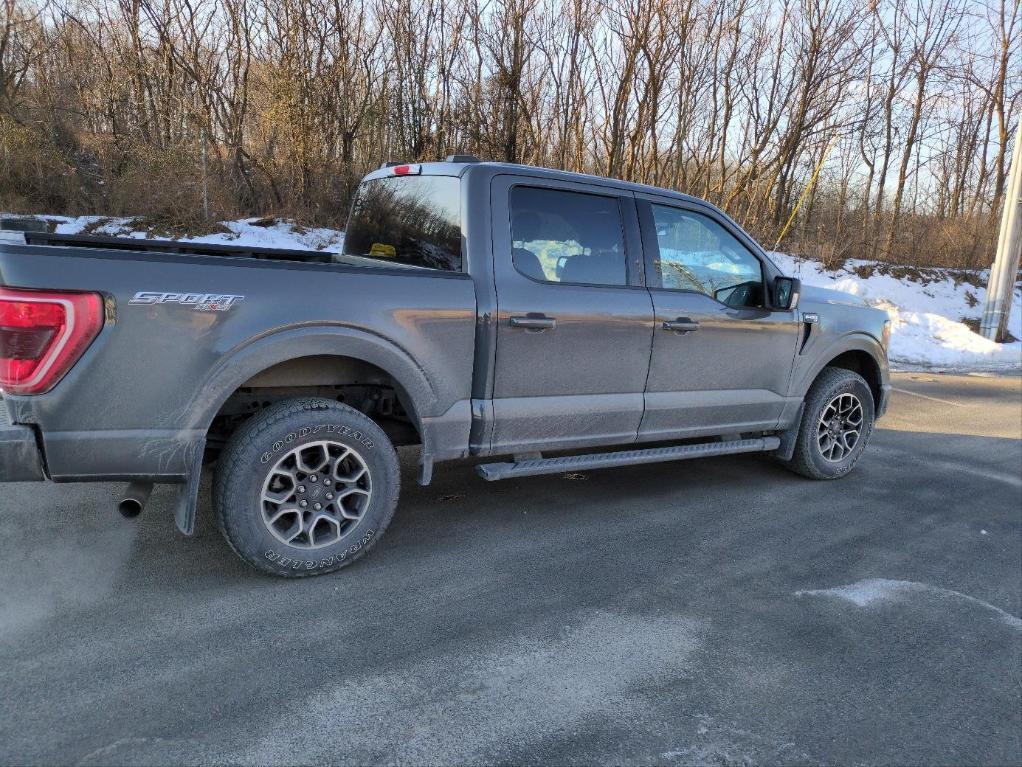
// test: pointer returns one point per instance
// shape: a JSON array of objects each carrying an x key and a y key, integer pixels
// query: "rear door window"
[
  {"x": 568, "y": 237},
  {"x": 413, "y": 220}
]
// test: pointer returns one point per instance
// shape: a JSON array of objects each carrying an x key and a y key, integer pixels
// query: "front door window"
[{"x": 698, "y": 254}]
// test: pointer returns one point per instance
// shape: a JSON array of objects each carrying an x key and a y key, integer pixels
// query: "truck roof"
[{"x": 463, "y": 167}]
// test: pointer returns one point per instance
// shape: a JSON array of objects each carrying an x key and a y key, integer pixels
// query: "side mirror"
[{"x": 786, "y": 291}]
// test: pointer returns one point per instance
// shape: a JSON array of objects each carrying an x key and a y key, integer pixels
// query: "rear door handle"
[
  {"x": 681, "y": 325},
  {"x": 533, "y": 322}
]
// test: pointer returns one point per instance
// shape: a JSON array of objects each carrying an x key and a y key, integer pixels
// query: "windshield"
[{"x": 413, "y": 220}]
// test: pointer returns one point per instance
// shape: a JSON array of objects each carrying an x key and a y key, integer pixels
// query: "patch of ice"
[{"x": 871, "y": 591}]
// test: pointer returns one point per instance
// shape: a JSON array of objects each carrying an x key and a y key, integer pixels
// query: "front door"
[
  {"x": 574, "y": 320},
  {"x": 721, "y": 359}
]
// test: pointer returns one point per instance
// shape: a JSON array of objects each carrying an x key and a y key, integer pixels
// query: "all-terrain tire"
[
  {"x": 809, "y": 459},
  {"x": 344, "y": 465}
]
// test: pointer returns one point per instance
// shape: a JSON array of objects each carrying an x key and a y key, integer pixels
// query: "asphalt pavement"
[{"x": 718, "y": 611}]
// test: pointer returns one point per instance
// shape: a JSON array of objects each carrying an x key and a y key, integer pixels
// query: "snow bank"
[
  {"x": 926, "y": 307},
  {"x": 251, "y": 232}
]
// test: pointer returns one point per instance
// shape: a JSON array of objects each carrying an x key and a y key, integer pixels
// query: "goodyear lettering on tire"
[{"x": 329, "y": 428}]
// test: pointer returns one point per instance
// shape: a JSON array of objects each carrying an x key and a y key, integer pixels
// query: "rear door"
[
  {"x": 721, "y": 358},
  {"x": 575, "y": 322}
]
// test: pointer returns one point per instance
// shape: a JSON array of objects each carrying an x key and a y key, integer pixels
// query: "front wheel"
[
  {"x": 836, "y": 424},
  {"x": 306, "y": 487}
]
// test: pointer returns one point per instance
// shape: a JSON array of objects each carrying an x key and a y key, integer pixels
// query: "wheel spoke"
[
  {"x": 346, "y": 512},
  {"x": 278, "y": 496},
  {"x": 313, "y": 523},
  {"x": 312, "y": 458},
  {"x": 335, "y": 463},
  {"x": 294, "y": 531},
  {"x": 353, "y": 476},
  {"x": 286, "y": 473},
  {"x": 273, "y": 518},
  {"x": 350, "y": 491},
  {"x": 845, "y": 447},
  {"x": 848, "y": 439}
]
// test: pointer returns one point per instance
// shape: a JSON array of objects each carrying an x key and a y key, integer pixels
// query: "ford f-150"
[{"x": 557, "y": 320}]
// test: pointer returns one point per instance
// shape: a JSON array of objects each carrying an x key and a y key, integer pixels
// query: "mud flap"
[
  {"x": 425, "y": 469},
  {"x": 188, "y": 493},
  {"x": 788, "y": 437}
]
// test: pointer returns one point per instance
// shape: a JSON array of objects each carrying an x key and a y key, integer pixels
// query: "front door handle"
[
  {"x": 681, "y": 325},
  {"x": 533, "y": 322}
]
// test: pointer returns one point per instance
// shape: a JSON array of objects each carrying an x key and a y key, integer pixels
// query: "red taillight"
[
  {"x": 406, "y": 170},
  {"x": 42, "y": 334}
]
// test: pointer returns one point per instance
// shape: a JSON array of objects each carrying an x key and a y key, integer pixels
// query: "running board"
[{"x": 535, "y": 466}]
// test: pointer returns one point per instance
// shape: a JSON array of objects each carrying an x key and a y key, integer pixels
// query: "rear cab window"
[{"x": 408, "y": 220}]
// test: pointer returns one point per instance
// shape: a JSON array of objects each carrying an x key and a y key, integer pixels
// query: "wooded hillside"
[{"x": 279, "y": 106}]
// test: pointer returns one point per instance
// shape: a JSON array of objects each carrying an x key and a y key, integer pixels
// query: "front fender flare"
[{"x": 807, "y": 371}]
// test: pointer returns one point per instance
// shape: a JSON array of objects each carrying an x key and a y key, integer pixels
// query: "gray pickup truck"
[{"x": 560, "y": 321}]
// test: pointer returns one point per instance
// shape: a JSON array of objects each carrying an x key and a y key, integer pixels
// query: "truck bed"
[
  {"x": 139, "y": 245},
  {"x": 145, "y": 392}
]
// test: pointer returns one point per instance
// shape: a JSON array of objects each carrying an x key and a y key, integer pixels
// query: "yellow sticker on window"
[{"x": 382, "y": 250}]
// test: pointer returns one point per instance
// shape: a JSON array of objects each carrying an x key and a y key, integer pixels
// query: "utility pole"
[{"x": 1001, "y": 287}]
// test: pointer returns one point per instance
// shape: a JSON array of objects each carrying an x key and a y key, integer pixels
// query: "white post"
[
  {"x": 205, "y": 181},
  {"x": 1001, "y": 287}
]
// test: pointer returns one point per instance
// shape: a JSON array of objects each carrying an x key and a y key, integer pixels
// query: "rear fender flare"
[{"x": 241, "y": 364}]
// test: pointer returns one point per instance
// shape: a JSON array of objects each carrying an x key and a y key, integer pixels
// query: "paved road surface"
[{"x": 717, "y": 612}]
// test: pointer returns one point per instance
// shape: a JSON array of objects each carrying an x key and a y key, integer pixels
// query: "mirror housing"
[{"x": 786, "y": 293}]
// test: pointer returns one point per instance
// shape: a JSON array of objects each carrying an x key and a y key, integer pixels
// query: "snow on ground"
[
  {"x": 251, "y": 232},
  {"x": 926, "y": 306}
]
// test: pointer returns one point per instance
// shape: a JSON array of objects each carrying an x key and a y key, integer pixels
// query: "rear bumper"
[{"x": 20, "y": 459}]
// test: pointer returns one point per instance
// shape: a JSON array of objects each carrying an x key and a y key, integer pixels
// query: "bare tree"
[{"x": 291, "y": 101}]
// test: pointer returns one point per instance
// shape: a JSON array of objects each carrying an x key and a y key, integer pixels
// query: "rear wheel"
[
  {"x": 306, "y": 487},
  {"x": 836, "y": 424}
]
